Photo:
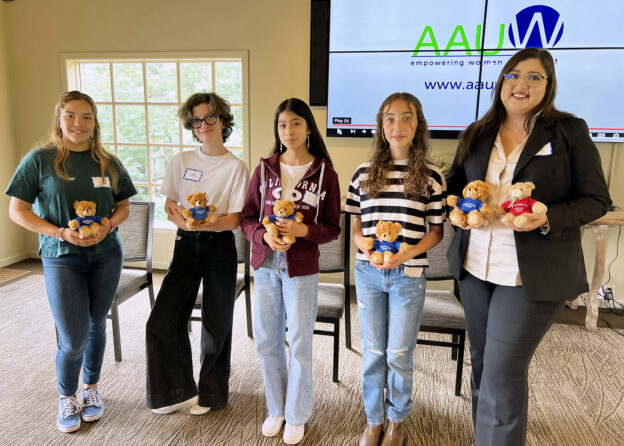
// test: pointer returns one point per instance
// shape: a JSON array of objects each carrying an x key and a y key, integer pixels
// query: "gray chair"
[
  {"x": 242, "y": 281},
  {"x": 136, "y": 239},
  {"x": 443, "y": 312},
  {"x": 334, "y": 299}
]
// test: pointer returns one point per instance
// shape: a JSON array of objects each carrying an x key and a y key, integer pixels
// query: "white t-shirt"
[
  {"x": 290, "y": 177},
  {"x": 224, "y": 178}
]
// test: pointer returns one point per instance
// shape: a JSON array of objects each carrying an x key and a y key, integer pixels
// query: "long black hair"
[{"x": 317, "y": 146}]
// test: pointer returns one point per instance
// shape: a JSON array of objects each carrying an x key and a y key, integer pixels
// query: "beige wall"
[
  {"x": 13, "y": 246},
  {"x": 274, "y": 32}
]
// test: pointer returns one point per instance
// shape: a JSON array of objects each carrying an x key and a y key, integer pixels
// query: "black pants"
[
  {"x": 504, "y": 327},
  {"x": 211, "y": 257}
]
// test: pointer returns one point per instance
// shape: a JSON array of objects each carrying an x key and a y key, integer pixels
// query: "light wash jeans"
[
  {"x": 80, "y": 291},
  {"x": 277, "y": 297},
  {"x": 390, "y": 308}
]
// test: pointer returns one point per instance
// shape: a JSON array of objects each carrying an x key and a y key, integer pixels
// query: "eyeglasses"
[
  {"x": 530, "y": 79},
  {"x": 208, "y": 119}
]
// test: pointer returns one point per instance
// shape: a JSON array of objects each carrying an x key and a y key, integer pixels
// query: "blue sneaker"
[
  {"x": 68, "y": 419},
  {"x": 92, "y": 406}
]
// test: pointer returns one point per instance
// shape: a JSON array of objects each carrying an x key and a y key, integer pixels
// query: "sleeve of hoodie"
[
  {"x": 250, "y": 215},
  {"x": 328, "y": 227}
]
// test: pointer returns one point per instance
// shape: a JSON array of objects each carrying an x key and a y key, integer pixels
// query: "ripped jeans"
[{"x": 390, "y": 307}]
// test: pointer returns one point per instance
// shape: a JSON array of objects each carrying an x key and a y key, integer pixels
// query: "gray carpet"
[{"x": 577, "y": 383}]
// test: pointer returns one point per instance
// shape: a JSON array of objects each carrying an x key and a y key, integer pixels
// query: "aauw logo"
[{"x": 537, "y": 26}]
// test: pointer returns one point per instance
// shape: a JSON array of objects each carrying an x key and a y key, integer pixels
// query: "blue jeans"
[
  {"x": 80, "y": 290},
  {"x": 390, "y": 308},
  {"x": 277, "y": 297}
]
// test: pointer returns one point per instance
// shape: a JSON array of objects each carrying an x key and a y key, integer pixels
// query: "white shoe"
[
  {"x": 199, "y": 410},
  {"x": 272, "y": 426},
  {"x": 183, "y": 405},
  {"x": 293, "y": 434}
]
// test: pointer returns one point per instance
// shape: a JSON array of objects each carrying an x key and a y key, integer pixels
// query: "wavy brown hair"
[
  {"x": 217, "y": 106},
  {"x": 494, "y": 117},
  {"x": 108, "y": 162},
  {"x": 415, "y": 181}
]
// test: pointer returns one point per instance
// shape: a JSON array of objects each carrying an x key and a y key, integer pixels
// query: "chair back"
[
  {"x": 436, "y": 256},
  {"x": 137, "y": 233},
  {"x": 332, "y": 258},
  {"x": 242, "y": 245}
]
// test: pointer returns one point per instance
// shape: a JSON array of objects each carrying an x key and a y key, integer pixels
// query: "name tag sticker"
[
  {"x": 98, "y": 182},
  {"x": 545, "y": 151},
  {"x": 193, "y": 174},
  {"x": 310, "y": 198}
]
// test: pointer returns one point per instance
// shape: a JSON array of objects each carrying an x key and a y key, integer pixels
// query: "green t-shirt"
[{"x": 35, "y": 181}]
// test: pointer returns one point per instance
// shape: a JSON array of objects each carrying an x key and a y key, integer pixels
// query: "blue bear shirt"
[
  {"x": 199, "y": 213},
  {"x": 273, "y": 218},
  {"x": 469, "y": 204},
  {"x": 88, "y": 221},
  {"x": 392, "y": 247}
]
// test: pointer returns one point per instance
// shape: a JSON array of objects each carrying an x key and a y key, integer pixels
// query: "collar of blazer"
[{"x": 540, "y": 136}]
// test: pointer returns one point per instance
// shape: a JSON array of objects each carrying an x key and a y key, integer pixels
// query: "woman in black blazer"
[{"x": 514, "y": 281}]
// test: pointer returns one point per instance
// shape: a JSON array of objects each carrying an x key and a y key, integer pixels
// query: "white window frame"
[{"x": 70, "y": 78}]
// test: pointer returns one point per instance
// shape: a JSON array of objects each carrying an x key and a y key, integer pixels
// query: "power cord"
[{"x": 607, "y": 292}]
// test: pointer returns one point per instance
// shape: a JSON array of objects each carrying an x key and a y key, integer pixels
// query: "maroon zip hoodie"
[{"x": 317, "y": 198}]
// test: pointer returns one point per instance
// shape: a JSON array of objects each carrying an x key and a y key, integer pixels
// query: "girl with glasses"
[{"x": 205, "y": 254}]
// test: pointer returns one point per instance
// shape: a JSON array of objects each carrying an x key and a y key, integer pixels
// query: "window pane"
[
  {"x": 160, "y": 160},
  {"x": 163, "y": 124},
  {"x": 162, "y": 82},
  {"x": 238, "y": 153},
  {"x": 130, "y": 123},
  {"x": 187, "y": 137},
  {"x": 159, "y": 199},
  {"x": 188, "y": 149},
  {"x": 134, "y": 159},
  {"x": 142, "y": 194},
  {"x": 128, "y": 80},
  {"x": 236, "y": 138},
  {"x": 95, "y": 80},
  {"x": 195, "y": 77},
  {"x": 105, "y": 118},
  {"x": 229, "y": 81}
]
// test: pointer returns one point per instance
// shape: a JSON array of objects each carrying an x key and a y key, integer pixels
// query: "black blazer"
[{"x": 570, "y": 182}]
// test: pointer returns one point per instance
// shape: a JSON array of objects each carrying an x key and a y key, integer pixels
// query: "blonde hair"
[
  {"x": 415, "y": 182},
  {"x": 107, "y": 161}
]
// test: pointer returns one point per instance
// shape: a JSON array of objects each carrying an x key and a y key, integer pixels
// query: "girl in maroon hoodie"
[{"x": 286, "y": 275}]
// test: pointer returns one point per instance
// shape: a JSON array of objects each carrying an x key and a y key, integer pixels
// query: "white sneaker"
[
  {"x": 293, "y": 434},
  {"x": 272, "y": 426},
  {"x": 199, "y": 410},
  {"x": 183, "y": 405}
]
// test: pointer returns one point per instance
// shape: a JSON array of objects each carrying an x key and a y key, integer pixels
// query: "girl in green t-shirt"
[{"x": 81, "y": 274}]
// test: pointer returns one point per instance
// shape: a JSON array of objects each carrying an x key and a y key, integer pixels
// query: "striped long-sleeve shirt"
[{"x": 392, "y": 205}]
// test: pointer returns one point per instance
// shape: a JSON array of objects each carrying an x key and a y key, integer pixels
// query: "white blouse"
[{"x": 491, "y": 254}]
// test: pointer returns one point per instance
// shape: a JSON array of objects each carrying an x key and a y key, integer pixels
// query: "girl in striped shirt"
[{"x": 397, "y": 184}]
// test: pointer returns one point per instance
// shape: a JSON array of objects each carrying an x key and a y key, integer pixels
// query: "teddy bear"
[
  {"x": 198, "y": 213},
  {"x": 521, "y": 204},
  {"x": 87, "y": 223},
  {"x": 472, "y": 208},
  {"x": 283, "y": 209},
  {"x": 385, "y": 245}
]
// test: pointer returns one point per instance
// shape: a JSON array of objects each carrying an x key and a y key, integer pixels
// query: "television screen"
[{"x": 449, "y": 55}]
